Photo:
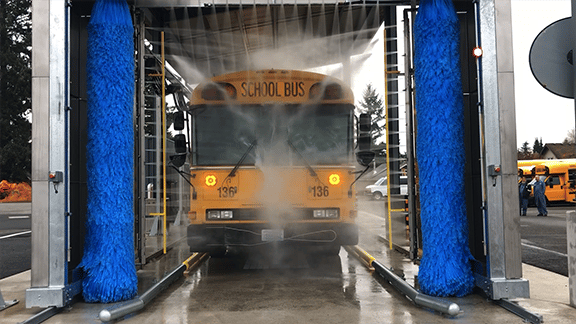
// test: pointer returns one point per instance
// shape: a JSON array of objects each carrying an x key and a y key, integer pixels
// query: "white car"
[{"x": 380, "y": 188}]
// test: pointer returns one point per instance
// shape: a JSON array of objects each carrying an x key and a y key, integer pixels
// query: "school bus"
[
  {"x": 559, "y": 177},
  {"x": 271, "y": 155}
]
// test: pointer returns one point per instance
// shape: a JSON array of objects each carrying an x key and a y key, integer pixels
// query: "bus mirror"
[
  {"x": 365, "y": 157},
  {"x": 364, "y": 128},
  {"x": 364, "y": 142},
  {"x": 180, "y": 143},
  {"x": 179, "y": 120},
  {"x": 365, "y": 123},
  {"x": 178, "y": 160}
]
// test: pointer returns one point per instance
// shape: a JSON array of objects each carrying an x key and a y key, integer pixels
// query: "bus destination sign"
[{"x": 273, "y": 89}]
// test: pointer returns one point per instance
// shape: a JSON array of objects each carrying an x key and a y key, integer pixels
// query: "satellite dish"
[{"x": 551, "y": 58}]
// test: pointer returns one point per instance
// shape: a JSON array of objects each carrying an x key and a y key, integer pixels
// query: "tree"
[
  {"x": 524, "y": 153},
  {"x": 372, "y": 104},
  {"x": 570, "y": 137},
  {"x": 538, "y": 146},
  {"x": 15, "y": 90}
]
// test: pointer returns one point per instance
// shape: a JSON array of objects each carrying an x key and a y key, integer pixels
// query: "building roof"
[{"x": 559, "y": 150}]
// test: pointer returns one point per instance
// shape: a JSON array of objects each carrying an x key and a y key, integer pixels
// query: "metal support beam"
[
  {"x": 504, "y": 258},
  {"x": 50, "y": 177},
  {"x": 5, "y": 304},
  {"x": 525, "y": 314},
  {"x": 43, "y": 315},
  {"x": 188, "y": 3},
  {"x": 571, "y": 246}
]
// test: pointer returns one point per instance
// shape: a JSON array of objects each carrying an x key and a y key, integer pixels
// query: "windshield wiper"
[
  {"x": 312, "y": 172},
  {"x": 233, "y": 172}
]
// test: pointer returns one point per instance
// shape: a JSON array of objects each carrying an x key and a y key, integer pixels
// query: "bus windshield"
[{"x": 321, "y": 135}]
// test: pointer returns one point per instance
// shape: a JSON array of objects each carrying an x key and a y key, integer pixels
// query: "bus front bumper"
[{"x": 211, "y": 237}]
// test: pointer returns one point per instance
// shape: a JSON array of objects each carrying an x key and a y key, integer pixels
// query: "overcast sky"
[{"x": 539, "y": 113}]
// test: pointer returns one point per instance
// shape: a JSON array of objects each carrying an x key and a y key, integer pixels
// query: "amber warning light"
[
  {"x": 210, "y": 180},
  {"x": 331, "y": 91},
  {"x": 334, "y": 179},
  {"x": 219, "y": 91}
]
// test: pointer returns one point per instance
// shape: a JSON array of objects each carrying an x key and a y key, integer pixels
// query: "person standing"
[
  {"x": 524, "y": 191},
  {"x": 539, "y": 197}
]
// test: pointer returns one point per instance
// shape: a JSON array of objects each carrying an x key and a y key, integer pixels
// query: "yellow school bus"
[
  {"x": 271, "y": 155},
  {"x": 558, "y": 175}
]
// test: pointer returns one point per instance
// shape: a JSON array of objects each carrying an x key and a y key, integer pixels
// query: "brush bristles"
[
  {"x": 445, "y": 269},
  {"x": 108, "y": 262}
]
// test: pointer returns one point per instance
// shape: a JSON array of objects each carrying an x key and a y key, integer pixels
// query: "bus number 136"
[
  {"x": 227, "y": 192},
  {"x": 319, "y": 191}
]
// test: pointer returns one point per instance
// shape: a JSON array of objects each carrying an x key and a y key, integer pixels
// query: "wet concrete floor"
[
  {"x": 335, "y": 289},
  {"x": 294, "y": 288}
]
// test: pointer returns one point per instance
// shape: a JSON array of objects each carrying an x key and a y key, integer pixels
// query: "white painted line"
[
  {"x": 546, "y": 250},
  {"x": 18, "y": 217},
  {"x": 15, "y": 234}
]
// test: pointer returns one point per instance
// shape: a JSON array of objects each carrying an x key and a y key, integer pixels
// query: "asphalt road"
[
  {"x": 544, "y": 239},
  {"x": 15, "y": 241}
]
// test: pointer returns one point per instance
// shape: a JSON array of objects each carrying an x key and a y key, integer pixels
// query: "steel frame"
[
  {"x": 503, "y": 278},
  {"x": 50, "y": 102},
  {"x": 50, "y": 134}
]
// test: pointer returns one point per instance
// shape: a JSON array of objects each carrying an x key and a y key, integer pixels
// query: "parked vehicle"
[
  {"x": 558, "y": 175},
  {"x": 379, "y": 189}
]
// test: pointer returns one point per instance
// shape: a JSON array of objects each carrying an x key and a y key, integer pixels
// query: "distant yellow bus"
[
  {"x": 559, "y": 177},
  {"x": 271, "y": 155}
]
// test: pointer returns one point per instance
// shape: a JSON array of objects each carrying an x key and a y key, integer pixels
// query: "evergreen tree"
[
  {"x": 372, "y": 104},
  {"x": 538, "y": 146},
  {"x": 15, "y": 90},
  {"x": 524, "y": 153}
]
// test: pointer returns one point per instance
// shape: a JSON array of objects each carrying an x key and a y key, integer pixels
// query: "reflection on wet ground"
[
  {"x": 287, "y": 287},
  {"x": 280, "y": 290},
  {"x": 333, "y": 289}
]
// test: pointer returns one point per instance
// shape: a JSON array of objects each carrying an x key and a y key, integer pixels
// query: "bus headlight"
[
  {"x": 226, "y": 214},
  {"x": 326, "y": 213},
  {"x": 219, "y": 214}
]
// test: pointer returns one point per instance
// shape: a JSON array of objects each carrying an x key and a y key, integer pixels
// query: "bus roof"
[
  {"x": 272, "y": 86},
  {"x": 546, "y": 166},
  {"x": 542, "y": 161},
  {"x": 530, "y": 162}
]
